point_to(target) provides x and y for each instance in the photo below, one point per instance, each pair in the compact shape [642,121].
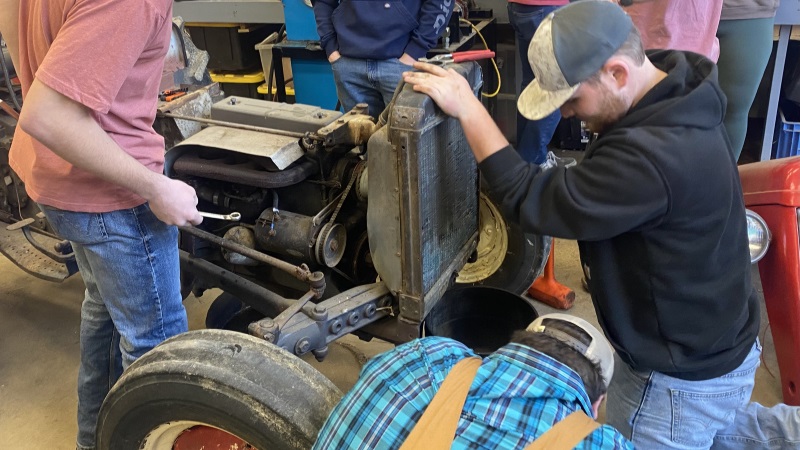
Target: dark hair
[588,370]
[631,48]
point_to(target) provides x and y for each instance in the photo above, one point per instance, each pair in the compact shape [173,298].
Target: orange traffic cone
[549,291]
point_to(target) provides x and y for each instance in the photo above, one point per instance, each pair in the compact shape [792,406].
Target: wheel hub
[190,435]
[492,244]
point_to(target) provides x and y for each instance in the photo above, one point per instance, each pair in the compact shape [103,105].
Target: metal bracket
[320,324]
[353,128]
[29,255]
[64,246]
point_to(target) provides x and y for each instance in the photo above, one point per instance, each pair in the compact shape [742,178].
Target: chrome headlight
[758,236]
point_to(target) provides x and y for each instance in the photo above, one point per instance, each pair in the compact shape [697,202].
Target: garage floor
[39,352]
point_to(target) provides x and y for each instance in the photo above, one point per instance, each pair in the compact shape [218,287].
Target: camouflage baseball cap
[569,46]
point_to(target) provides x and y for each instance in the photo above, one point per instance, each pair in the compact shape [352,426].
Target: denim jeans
[532,135]
[129,263]
[656,411]
[369,81]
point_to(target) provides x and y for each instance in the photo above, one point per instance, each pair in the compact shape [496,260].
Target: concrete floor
[39,352]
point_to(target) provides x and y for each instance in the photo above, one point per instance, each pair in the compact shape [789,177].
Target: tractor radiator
[423,199]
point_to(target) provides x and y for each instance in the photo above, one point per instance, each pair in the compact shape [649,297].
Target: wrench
[234,216]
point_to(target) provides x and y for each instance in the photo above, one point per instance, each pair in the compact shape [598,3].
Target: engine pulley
[330,244]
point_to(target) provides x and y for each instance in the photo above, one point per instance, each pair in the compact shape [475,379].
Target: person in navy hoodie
[370,43]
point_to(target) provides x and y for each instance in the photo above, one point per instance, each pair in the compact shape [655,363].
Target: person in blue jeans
[86,149]
[656,207]
[525,16]
[371,43]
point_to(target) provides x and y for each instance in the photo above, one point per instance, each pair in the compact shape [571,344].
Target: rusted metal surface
[16,248]
[210,275]
[287,233]
[242,236]
[353,128]
[196,103]
[203,437]
[315,279]
[212,90]
[422,215]
[330,244]
[299,236]
[492,245]
[237,126]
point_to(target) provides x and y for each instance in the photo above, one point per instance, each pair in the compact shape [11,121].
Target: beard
[611,108]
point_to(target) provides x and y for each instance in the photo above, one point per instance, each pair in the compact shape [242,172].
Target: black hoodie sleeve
[607,194]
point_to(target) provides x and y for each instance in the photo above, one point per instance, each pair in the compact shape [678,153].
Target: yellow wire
[497,70]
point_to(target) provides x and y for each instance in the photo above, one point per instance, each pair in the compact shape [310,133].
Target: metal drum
[482,318]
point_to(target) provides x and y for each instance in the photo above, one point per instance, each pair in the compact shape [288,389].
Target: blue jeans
[656,411]
[369,81]
[532,135]
[129,263]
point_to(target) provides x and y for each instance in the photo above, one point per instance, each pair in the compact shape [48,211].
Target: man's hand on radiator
[445,86]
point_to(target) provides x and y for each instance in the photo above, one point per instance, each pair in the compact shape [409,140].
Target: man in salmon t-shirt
[87,152]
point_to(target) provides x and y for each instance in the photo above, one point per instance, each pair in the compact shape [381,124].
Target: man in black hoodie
[657,209]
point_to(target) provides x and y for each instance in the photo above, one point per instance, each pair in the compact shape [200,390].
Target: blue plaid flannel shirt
[517,395]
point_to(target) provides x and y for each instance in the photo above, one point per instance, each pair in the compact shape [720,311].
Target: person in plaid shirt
[559,365]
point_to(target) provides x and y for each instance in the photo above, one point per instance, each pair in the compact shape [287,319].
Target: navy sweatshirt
[381,29]
[656,205]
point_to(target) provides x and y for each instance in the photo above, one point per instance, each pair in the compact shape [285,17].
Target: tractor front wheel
[216,387]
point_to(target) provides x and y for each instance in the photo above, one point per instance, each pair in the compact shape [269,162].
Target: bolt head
[303,346]
[267,323]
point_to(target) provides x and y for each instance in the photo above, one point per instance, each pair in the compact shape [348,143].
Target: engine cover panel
[281,151]
[280,116]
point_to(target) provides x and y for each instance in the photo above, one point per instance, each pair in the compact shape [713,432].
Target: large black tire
[223,379]
[508,258]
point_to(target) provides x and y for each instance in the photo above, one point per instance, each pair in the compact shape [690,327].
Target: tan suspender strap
[438,424]
[565,434]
